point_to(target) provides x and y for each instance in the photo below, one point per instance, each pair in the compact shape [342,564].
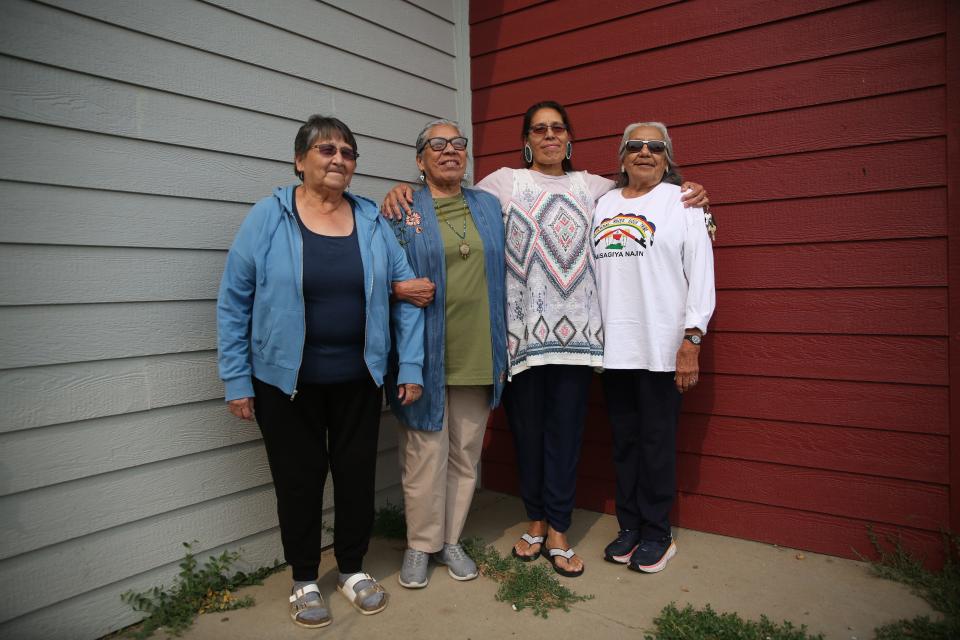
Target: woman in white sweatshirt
[654,267]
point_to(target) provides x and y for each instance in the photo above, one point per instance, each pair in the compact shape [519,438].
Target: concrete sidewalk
[837,597]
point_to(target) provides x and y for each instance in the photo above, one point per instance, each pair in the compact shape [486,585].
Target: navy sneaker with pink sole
[652,556]
[622,548]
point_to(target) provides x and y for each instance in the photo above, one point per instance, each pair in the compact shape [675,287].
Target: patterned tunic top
[553,312]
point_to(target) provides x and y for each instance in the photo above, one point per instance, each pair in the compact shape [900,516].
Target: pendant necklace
[464,245]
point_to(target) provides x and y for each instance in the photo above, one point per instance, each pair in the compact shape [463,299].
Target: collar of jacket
[365,215]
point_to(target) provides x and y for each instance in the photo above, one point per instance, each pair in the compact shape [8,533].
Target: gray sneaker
[459,565]
[413,573]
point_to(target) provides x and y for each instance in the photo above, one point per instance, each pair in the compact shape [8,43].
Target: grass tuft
[920,628]
[941,589]
[389,522]
[196,590]
[693,624]
[524,585]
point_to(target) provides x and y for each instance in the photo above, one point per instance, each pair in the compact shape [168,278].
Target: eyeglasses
[541,129]
[439,144]
[330,150]
[636,146]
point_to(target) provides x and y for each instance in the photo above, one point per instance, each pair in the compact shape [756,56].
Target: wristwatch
[694,338]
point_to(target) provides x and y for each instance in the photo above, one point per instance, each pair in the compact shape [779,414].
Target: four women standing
[509,278]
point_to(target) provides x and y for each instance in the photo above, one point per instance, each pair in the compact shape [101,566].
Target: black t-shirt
[335,307]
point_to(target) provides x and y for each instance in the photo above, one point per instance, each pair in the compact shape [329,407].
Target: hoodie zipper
[369,292]
[303,303]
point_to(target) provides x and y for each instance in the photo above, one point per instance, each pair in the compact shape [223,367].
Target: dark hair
[528,120]
[318,126]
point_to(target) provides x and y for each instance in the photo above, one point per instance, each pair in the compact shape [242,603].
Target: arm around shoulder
[499,184]
[698,268]
[598,185]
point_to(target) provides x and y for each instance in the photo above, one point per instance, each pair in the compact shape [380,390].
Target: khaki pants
[439,469]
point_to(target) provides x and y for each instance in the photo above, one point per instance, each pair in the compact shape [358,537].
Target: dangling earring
[527,154]
[569,149]
[422,177]
[300,175]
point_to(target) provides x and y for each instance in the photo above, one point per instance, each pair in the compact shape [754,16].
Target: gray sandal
[357,598]
[298,605]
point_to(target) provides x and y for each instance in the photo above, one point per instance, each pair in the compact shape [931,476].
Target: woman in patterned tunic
[554,331]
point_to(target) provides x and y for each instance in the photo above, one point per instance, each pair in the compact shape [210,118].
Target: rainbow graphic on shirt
[615,233]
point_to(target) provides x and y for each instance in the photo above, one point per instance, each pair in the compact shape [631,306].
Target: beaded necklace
[464,245]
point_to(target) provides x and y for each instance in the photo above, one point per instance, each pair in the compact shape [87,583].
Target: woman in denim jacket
[454,241]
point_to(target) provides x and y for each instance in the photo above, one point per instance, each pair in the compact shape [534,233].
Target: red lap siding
[820,130]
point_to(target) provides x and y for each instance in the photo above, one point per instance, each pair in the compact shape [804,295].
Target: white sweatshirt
[654,266]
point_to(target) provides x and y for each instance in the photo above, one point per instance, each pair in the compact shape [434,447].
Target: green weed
[941,589]
[196,590]
[523,585]
[389,522]
[693,624]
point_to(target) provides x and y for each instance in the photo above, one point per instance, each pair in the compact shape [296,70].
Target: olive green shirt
[468,359]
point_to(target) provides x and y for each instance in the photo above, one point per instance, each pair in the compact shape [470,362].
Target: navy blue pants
[546,407]
[644,407]
[328,426]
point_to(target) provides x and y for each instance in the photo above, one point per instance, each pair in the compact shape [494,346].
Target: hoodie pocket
[279,344]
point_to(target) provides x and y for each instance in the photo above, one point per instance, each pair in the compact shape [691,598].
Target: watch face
[695,339]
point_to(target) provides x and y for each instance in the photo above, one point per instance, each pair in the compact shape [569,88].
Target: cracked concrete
[837,597]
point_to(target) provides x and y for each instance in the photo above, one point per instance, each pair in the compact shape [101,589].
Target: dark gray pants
[328,426]
[644,407]
[546,407]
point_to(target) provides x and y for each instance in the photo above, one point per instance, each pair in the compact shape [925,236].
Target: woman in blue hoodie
[304,319]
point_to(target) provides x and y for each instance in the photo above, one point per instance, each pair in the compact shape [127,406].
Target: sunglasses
[330,150]
[541,129]
[636,146]
[439,144]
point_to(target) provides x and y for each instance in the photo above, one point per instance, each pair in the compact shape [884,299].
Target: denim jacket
[260,310]
[426,255]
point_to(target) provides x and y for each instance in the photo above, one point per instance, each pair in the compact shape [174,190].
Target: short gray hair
[671,175]
[422,137]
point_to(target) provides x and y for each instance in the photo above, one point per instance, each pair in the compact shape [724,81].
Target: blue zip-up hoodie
[425,251]
[260,310]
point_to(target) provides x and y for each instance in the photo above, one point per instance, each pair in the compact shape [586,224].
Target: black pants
[546,407]
[644,407]
[333,426]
